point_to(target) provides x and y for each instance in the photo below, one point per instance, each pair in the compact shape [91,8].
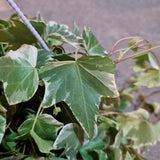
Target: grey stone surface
[110,20]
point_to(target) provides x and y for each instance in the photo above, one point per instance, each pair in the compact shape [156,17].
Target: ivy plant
[58,105]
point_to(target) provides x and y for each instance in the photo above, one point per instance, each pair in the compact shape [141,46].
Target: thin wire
[28,24]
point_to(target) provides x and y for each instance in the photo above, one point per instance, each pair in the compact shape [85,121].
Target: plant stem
[38,112]
[76,52]
[123,39]
[136,54]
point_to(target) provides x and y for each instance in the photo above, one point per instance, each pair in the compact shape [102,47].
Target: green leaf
[64,57]
[133,43]
[140,63]
[150,78]
[44,57]
[21,81]
[128,156]
[137,128]
[2,127]
[116,154]
[18,33]
[57,34]
[76,30]
[9,142]
[91,43]
[80,84]
[95,145]
[44,145]
[68,139]
[44,133]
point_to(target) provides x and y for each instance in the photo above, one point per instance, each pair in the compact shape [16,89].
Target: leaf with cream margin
[68,139]
[80,84]
[57,34]
[136,127]
[19,75]
[150,78]
[91,43]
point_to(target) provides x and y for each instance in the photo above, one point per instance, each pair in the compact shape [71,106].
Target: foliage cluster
[58,105]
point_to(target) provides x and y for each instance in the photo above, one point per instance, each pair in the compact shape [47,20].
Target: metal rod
[28,24]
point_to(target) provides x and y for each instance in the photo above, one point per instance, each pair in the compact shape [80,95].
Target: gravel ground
[110,20]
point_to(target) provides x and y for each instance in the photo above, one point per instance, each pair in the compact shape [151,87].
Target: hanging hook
[28,24]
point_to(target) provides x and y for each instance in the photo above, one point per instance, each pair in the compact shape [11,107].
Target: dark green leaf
[68,139]
[64,57]
[95,145]
[44,133]
[19,75]
[80,84]
[17,33]
[140,63]
[9,142]
[91,43]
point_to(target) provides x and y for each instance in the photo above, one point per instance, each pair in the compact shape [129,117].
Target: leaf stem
[122,39]
[38,112]
[136,54]
[76,52]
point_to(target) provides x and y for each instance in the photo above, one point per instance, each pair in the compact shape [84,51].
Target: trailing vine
[58,105]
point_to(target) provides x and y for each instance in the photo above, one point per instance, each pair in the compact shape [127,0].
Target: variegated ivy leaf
[150,78]
[57,34]
[136,127]
[68,139]
[19,75]
[91,43]
[80,84]
[44,132]
[16,33]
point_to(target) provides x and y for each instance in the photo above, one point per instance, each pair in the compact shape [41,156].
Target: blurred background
[110,20]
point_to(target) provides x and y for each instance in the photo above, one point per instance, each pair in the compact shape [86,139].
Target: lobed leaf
[57,34]
[17,33]
[44,133]
[95,145]
[19,75]
[68,139]
[137,128]
[91,43]
[149,78]
[80,84]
